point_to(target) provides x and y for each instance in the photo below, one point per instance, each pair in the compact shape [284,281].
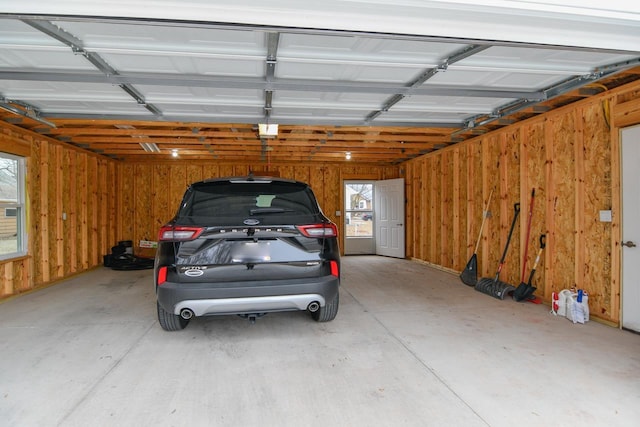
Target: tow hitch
[252,316]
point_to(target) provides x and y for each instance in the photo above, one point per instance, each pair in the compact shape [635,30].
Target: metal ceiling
[110,84]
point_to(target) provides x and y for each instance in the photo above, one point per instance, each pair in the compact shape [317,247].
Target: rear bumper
[207,307]
[206,299]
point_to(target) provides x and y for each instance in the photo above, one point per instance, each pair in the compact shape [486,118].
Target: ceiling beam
[307,85]
[236,119]
[76,46]
[24,110]
[273,39]
[412,87]
[354,140]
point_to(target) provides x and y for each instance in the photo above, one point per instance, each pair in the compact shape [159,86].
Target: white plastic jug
[578,307]
[564,299]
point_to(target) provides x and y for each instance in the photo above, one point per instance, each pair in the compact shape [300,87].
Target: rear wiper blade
[269,210]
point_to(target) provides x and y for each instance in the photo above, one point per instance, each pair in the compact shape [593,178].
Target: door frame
[340,214]
[349,177]
[358,245]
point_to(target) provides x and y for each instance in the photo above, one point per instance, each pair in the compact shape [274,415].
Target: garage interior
[117,108]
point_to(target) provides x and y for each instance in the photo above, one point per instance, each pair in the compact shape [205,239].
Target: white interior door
[389,217]
[631,228]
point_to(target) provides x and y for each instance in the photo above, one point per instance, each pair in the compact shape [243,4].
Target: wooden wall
[149,192]
[105,201]
[61,180]
[571,158]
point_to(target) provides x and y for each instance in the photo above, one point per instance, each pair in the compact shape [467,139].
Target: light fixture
[150,147]
[347,155]
[174,152]
[267,130]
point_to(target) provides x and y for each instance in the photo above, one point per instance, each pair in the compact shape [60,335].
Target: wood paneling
[149,193]
[62,182]
[596,271]
[569,157]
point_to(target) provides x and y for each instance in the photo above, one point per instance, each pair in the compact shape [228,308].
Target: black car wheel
[328,312]
[169,321]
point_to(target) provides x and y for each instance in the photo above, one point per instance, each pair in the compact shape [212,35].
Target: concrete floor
[411,346]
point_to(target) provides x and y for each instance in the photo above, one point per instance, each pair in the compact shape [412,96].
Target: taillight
[319,230]
[179,233]
[334,268]
[162,275]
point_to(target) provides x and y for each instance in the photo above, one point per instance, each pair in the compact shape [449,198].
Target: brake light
[162,275]
[179,233]
[334,268]
[319,230]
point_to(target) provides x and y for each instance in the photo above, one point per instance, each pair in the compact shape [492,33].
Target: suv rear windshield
[244,199]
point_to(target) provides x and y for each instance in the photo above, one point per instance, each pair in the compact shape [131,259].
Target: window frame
[20,206]
[352,213]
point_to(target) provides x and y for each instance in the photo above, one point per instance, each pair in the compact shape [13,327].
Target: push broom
[469,275]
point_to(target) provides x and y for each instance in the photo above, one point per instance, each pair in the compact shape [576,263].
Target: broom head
[469,275]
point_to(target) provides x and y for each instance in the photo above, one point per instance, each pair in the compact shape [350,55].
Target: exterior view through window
[12,236]
[359,209]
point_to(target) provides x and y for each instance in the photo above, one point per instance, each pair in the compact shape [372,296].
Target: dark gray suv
[247,246]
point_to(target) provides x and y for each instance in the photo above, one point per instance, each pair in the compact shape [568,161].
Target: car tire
[328,312]
[169,321]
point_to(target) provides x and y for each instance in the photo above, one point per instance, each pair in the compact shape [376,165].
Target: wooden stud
[579,202]
[426,217]
[616,224]
[83,210]
[69,209]
[456,192]
[44,211]
[544,285]
[92,211]
[59,263]
[445,256]
[436,211]
[409,212]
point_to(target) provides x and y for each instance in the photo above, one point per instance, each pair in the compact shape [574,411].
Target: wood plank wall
[571,157]
[60,180]
[149,192]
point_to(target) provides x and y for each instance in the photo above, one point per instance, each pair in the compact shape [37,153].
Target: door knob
[629,244]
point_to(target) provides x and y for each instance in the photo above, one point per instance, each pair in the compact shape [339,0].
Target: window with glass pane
[12,218]
[359,209]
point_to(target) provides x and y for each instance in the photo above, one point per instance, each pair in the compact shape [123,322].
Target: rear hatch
[238,231]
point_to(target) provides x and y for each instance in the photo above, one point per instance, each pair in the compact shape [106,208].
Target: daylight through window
[359,209]
[12,231]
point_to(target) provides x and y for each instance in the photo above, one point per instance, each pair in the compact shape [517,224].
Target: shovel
[524,291]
